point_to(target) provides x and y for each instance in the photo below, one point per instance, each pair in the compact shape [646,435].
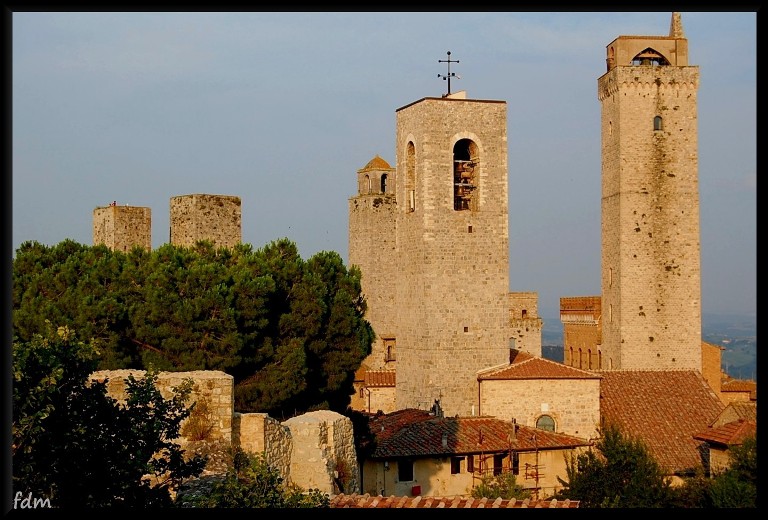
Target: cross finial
[450,74]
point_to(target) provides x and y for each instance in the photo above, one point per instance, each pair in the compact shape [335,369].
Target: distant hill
[737,334]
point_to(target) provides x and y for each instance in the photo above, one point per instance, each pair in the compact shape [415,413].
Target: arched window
[658,123]
[579,358]
[384,183]
[465,175]
[545,422]
[589,358]
[410,176]
[367,184]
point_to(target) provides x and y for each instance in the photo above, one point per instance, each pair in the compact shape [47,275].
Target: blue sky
[282,109]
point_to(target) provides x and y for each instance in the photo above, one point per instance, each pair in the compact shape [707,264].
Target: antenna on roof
[450,74]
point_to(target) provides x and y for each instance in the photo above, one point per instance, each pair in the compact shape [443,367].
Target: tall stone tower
[452,241]
[122,227]
[651,276]
[196,217]
[372,218]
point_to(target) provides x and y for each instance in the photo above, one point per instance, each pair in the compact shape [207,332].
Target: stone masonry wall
[651,276]
[314,450]
[196,217]
[259,433]
[574,404]
[525,322]
[711,365]
[212,390]
[323,455]
[121,228]
[372,249]
[453,266]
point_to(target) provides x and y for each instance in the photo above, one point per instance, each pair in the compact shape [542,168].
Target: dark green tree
[78,447]
[618,472]
[291,333]
[736,487]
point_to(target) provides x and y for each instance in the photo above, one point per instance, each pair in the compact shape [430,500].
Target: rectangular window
[515,463]
[470,463]
[456,465]
[498,464]
[405,470]
[389,350]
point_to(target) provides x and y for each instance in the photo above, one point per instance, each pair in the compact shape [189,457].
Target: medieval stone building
[434,254]
[196,217]
[649,316]
[121,228]
[434,251]
[216,218]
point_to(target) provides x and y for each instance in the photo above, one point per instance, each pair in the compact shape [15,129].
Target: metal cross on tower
[450,74]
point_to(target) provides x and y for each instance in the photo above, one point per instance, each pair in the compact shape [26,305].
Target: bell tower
[651,274]
[452,242]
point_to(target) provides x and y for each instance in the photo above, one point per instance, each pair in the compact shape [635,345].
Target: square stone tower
[372,220]
[122,227]
[216,218]
[452,286]
[651,275]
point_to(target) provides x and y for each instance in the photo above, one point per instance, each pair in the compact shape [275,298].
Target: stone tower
[122,227]
[372,214]
[451,292]
[651,276]
[216,218]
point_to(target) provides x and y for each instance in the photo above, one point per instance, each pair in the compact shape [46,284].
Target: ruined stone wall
[314,450]
[323,455]
[451,291]
[196,217]
[651,276]
[574,404]
[212,392]
[259,433]
[121,228]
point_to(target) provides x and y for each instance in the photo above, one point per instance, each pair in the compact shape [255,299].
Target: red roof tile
[526,366]
[380,378]
[729,434]
[377,163]
[664,409]
[382,502]
[740,410]
[418,433]
[738,385]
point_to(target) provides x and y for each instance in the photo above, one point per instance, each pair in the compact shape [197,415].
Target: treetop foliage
[291,332]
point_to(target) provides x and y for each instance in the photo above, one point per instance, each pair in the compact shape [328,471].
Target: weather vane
[450,74]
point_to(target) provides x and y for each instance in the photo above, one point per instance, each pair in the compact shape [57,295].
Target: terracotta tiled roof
[526,366]
[377,163]
[738,385]
[380,378]
[418,433]
[729,434]
[741,410]
[664,409]
[382,502]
